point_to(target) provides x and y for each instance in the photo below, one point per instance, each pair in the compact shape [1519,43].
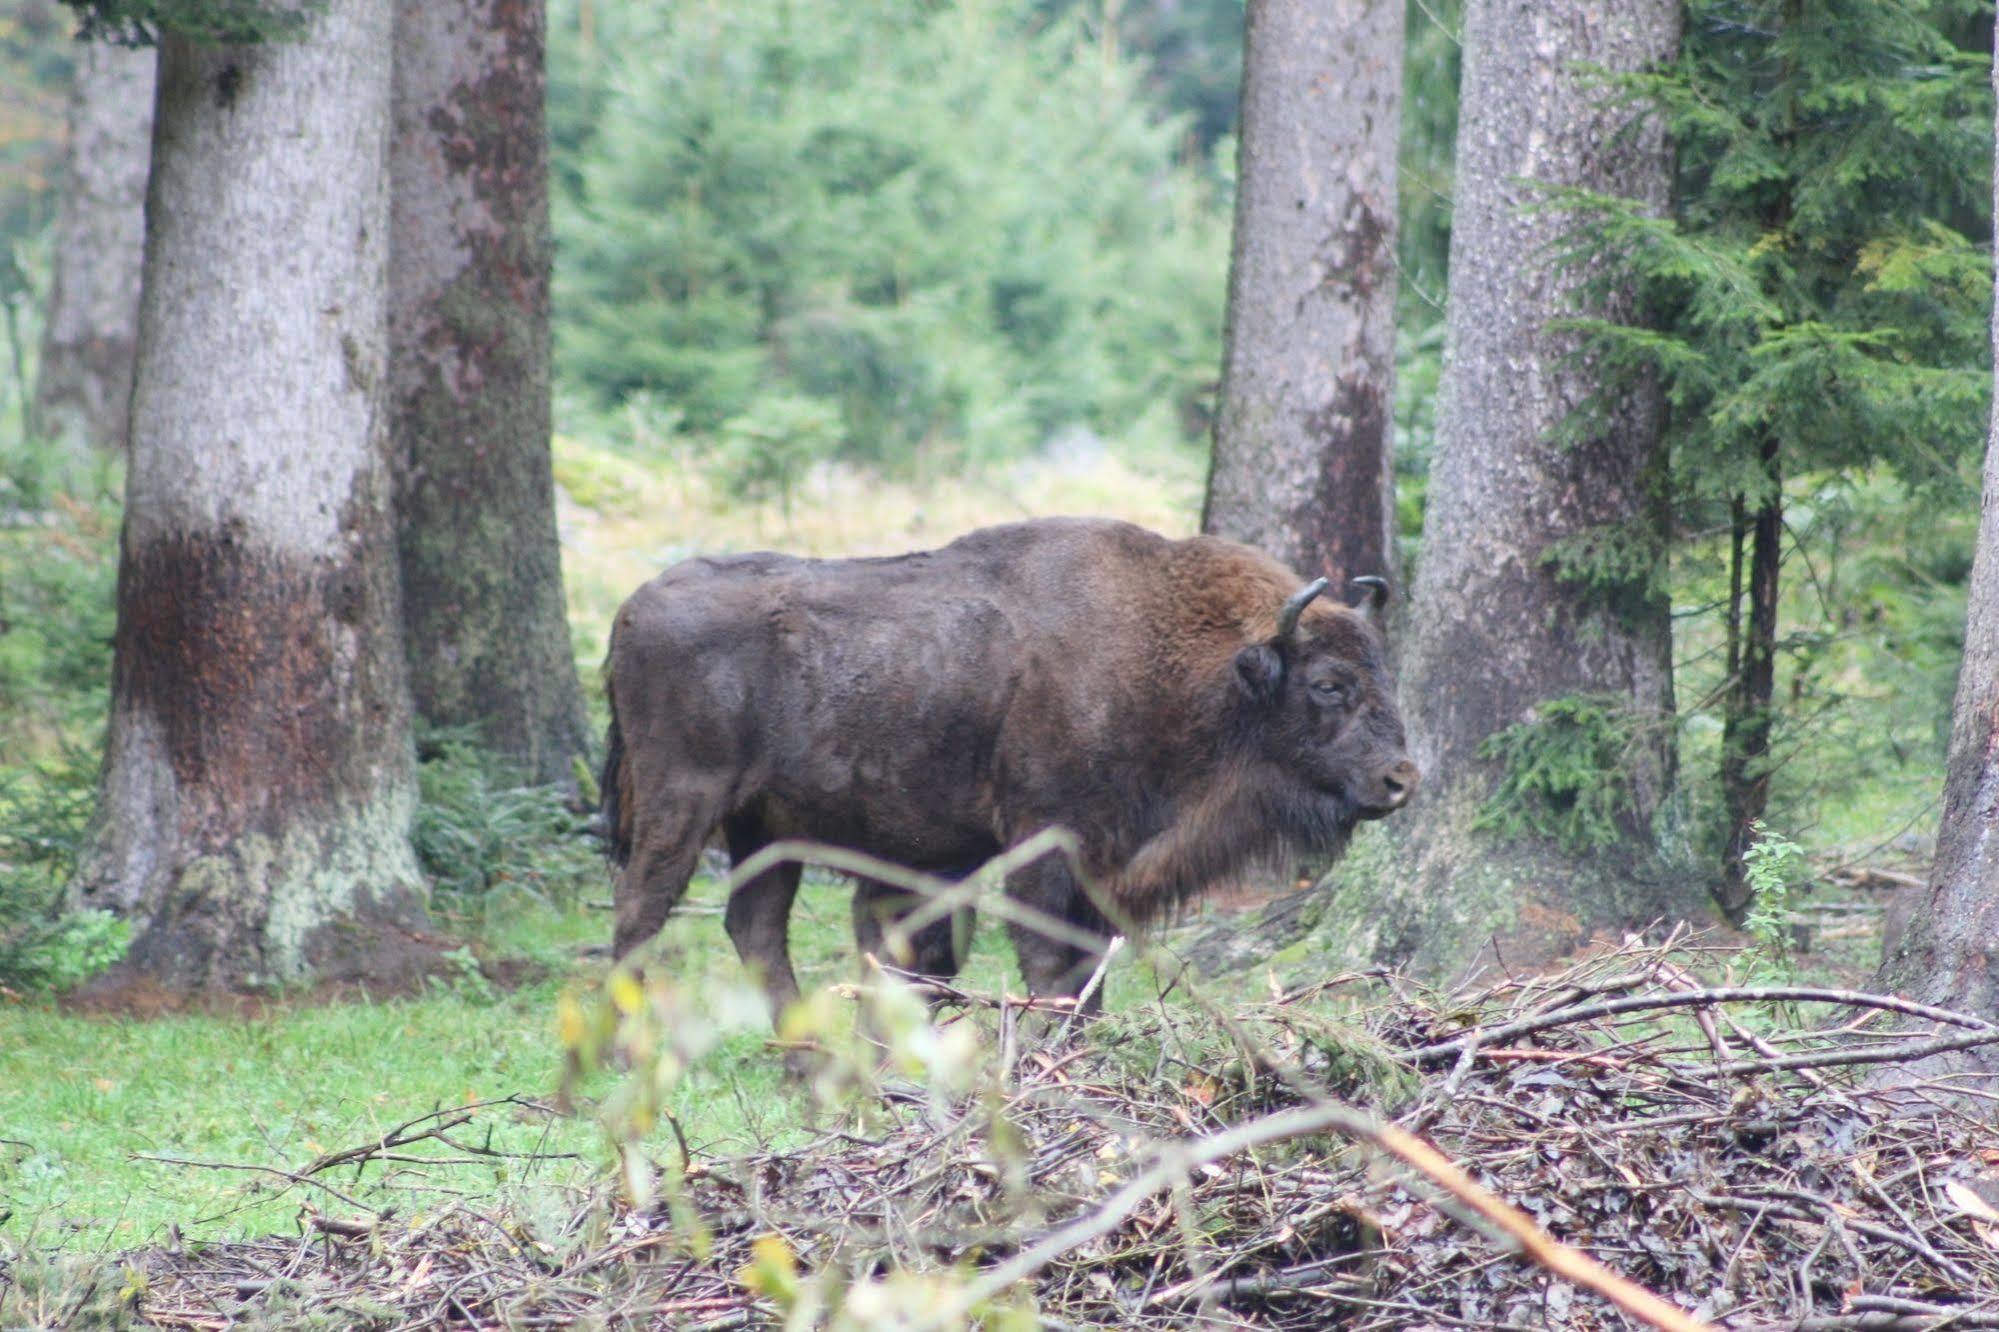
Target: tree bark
[1499,627]
[485,627]
[83,390]
[1948,954]
[254,808]
[1303,449]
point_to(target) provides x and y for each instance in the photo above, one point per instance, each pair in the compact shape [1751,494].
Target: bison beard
[1182,707]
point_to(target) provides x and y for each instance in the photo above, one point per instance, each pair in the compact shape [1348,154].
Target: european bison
[1184,707]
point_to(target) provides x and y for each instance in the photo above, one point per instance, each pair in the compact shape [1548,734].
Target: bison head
[1321,709]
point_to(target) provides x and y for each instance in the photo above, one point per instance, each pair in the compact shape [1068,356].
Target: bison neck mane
[1233,809]
[1245,815]
[1240,815]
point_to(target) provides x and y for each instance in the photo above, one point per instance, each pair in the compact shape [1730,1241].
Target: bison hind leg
[665,851]
[758,916]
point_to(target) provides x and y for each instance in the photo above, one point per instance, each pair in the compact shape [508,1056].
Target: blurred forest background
[854,276]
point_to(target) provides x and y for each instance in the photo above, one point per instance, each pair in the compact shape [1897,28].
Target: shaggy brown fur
[934,709]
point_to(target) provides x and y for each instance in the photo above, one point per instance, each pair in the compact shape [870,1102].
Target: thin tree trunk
[1746,726]
[1303,448]
[1949,952]
[254,809]
[83,390]
[485,627]
[1497,627]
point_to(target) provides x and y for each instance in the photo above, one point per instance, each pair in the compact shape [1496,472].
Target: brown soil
[402,964]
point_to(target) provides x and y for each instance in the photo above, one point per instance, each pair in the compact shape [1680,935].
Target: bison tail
[615,794]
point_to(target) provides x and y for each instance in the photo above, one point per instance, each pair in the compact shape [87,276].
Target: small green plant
[481,830]
[65,952]
[466,978]
[1621,565]
[764,453]
[1775,867]
[1565,773]
[44,818]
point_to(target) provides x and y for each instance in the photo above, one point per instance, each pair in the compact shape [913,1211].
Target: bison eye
[1329,692]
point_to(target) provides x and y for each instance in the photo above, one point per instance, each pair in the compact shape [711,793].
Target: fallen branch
[1756,994]
[1178,1161]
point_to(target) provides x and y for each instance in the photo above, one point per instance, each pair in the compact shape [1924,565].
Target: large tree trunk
[486,632]
[1503,619]
[255,805]
[83,390]
[1948,954]
[1302,462]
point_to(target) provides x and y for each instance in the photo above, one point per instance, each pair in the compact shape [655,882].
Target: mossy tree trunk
[83,389]
[485,628]
[1948,954]
[1303,450]
[1540,576]
[257,791]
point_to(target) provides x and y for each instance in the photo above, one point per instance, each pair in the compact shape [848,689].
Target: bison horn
[1287,619]
[1376,590]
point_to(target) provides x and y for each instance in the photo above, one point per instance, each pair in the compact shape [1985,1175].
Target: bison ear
[1260,671]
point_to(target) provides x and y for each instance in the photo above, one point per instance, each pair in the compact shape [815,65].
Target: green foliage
[956,231]
[36,56]
[1622,565]
[1564,773]
[1774,867]
[1821,288]
[1432,57]
[1824,279]
[481,830]
[44,819]
[765,452]
[65,952]
[58,580]
[223,22]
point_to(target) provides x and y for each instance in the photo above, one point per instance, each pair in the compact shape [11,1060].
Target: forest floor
[90,1099]
[166,1131]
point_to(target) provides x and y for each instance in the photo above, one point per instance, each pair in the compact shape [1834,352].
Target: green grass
[82,1097]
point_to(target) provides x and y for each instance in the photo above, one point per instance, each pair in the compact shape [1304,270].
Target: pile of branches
[1619,1145]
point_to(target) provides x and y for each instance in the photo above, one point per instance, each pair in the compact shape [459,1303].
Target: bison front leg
[934,952]
[1052,965]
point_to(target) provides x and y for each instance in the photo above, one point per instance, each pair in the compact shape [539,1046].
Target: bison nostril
[1399,782]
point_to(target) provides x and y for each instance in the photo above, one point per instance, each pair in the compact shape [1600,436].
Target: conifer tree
[1814,306]
[1945,955]
[485,630]
[1510,649]
[83,391]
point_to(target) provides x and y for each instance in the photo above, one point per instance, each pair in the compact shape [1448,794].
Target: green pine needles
[218,22]
[1824,279]
[959,230]
[1565,773]
[1814,311]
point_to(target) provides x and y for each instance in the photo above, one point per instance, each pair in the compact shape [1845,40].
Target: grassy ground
[84,1099]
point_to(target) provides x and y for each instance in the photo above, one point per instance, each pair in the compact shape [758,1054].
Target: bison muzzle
[1184,708]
